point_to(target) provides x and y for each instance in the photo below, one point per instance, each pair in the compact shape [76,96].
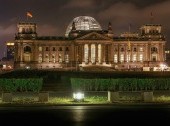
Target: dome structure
[83,23]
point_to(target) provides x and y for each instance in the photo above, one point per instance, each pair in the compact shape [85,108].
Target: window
[60,49]
[54,49]
[47,49]
[128,58]
[53,58]
[141,57]
[135,49]
[40,49]
[27,49]
[66,58]
[67,49]
[115,58]
[141,49]
[122,49]
[134,58]
[40,58]
[154,49]
[121,58]
[153,58]
[47,58]
[60,58]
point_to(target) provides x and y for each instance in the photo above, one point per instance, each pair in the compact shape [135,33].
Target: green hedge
[120,84]
[13,85]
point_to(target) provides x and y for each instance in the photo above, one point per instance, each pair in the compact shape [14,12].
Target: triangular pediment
[93,36]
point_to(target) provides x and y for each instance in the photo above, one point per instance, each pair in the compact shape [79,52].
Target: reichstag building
[87,45]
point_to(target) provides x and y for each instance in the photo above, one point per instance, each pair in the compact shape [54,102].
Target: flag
[29,15]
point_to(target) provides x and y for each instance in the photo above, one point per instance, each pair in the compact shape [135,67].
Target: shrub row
[13,85]
[120,84]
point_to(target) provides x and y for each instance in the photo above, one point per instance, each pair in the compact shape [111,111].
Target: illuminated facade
[86,44]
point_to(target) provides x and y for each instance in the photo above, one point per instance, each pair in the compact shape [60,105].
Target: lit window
[115,58]
[47,58]
[141,57]
[40,58]
[60,58]
[121,58]
[134,58]
[67,58]
[40,49]
[128,58]
[141,49]
[53,58]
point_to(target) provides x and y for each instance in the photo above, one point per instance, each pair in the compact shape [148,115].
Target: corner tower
[26,30]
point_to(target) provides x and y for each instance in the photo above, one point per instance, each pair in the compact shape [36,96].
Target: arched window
[154,49]
[27,49]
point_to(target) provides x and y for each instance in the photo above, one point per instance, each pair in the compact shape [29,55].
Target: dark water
[85,115]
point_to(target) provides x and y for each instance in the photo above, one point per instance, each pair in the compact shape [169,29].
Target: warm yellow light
[10,44]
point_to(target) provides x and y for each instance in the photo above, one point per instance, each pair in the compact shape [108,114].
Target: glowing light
[78,96]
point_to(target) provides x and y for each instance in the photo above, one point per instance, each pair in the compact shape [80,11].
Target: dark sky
[53,16]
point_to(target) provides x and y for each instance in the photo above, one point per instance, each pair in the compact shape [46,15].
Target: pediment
[93,36]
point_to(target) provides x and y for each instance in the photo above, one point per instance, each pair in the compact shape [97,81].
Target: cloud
[78,4]
[47,30]
[121,14]
[9,30]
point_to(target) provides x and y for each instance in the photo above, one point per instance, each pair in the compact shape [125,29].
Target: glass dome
[83,23]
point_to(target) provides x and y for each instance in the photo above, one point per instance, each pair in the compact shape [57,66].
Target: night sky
[53,16]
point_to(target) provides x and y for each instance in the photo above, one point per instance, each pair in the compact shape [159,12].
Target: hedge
[120,84]
[13,85]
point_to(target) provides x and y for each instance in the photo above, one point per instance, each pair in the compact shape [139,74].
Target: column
[21,52]
[96,53]
[89,53]
[83,61]
[111,53]
[149,52]
[103,54]
[126,50]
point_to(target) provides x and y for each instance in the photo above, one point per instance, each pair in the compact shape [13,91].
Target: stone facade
[83,48]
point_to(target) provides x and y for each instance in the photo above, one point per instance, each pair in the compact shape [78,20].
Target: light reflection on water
[78,114]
